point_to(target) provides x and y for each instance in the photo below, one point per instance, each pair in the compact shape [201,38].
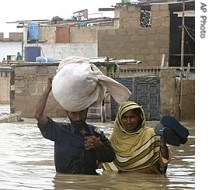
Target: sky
[13,10]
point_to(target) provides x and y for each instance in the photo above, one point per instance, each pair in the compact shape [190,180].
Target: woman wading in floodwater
[137,147]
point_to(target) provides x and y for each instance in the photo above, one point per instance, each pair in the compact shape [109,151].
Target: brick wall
[30,81]
[187,99]
[5,87]
[131,41]
[169,98]
[13,36]
[125,40]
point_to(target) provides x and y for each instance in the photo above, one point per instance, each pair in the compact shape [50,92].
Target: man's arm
[101,144]
[104,151]
[40,107]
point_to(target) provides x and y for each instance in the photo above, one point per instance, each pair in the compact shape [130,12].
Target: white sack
[79,84]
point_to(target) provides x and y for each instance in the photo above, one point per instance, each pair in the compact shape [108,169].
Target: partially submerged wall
[187,99]
[5,85]
[30,81]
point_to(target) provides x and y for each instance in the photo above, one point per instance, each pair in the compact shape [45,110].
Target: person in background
[78,147]
[137,147]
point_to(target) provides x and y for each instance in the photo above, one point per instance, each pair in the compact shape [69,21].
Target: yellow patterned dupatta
[134,151]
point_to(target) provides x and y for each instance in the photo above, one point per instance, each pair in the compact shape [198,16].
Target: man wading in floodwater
[78,147]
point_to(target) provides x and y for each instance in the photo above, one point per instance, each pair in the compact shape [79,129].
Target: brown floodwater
[26,162]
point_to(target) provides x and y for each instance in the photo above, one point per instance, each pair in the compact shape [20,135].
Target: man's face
[78,118]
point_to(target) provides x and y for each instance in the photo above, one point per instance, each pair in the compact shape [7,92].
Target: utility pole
[182,36]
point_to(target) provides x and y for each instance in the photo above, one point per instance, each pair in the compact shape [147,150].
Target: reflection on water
[27,163]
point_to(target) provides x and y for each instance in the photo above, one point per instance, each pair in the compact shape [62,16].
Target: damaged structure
[141,47]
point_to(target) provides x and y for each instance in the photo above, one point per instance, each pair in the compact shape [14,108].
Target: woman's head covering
[134,150]
[126,142]
[127,106]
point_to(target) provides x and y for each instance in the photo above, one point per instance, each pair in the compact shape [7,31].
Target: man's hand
[92,142]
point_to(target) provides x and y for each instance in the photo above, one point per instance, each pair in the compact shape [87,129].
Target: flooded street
[27,163]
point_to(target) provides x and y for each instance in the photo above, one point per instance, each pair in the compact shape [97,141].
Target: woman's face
[130,121]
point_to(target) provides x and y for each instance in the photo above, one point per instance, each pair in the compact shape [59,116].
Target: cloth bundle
[78,84]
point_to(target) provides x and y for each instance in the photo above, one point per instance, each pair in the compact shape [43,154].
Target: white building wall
[10,48]
[60,51]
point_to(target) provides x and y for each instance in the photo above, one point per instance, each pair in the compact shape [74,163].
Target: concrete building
[11,47]
[149,32]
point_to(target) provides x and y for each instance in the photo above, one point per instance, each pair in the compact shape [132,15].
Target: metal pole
[182,37]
